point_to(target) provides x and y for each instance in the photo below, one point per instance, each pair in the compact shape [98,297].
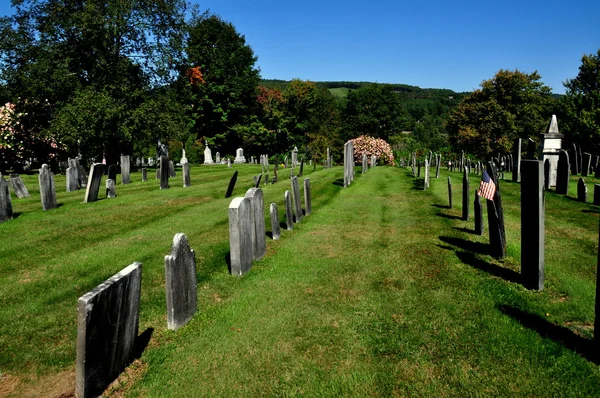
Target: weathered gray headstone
[228,163]
[465,195]
[125,169]
[107,326]
[289,217]
[186,173]
[172,172]
[275,228]
[438,161]
[478,215]
[110,189]
[562,173]
[72,179]
[532,224]
[112,172]
[47,188]
[164,172]
[180,283]
[307,197]
[241,226]
[364,163]
[295,157]
[82,175]
[581,190]
[297,200]
[144,174]
[426,176]
[6,211]
[259,245]
[18,186]
[232,182]
[93,184]
[449,193]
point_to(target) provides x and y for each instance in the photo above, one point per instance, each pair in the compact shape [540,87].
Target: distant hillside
[340,91]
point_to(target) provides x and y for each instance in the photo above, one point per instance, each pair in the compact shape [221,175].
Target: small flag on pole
[487,188]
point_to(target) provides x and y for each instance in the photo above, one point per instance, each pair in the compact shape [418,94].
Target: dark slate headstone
[257,180]
[449,193]
[125,169]
[581,190]
[186,174]
[562,173]
[107,326]
[165,165]
[532,224]
[6,211]
[47,188]
[531,148]
[180,283]
[172,172]
[93,184]
[547,174]
[597,194]
[301,168]
[18,186]
[297,200]
[259,245]
[465,195]
[241,226]
[275,228]
[496,217]
[110,188]
[586,163]
[575,161]
[112,172]
[232,182]
[307,197]
[289,216]
[478,215]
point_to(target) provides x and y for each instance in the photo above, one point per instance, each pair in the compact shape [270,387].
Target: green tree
[511,105]
[581,104]
[227,100]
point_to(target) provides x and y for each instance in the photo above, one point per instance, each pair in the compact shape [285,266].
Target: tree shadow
[492,269]
[580,345]
[473,247]
[141,342]
[448,216]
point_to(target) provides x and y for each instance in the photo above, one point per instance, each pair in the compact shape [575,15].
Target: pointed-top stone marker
[553,129]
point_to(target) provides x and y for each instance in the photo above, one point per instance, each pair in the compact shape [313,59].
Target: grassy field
[340,91]
[381,291]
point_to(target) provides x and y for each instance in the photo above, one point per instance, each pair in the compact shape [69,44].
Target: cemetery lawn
[381,291]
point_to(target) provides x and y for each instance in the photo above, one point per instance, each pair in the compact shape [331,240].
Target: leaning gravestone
[275,228]
[289,216]
[231,184]
[72,179]
[180,283]
[562,173]
[532,224]
[125,169]
[6,212]
[107,326]
[47,188]
[581,190]
[296,195]
[259,245]
[307,197]
[240,235]
[164,172]
[110,188]
[93,184]
[18,186]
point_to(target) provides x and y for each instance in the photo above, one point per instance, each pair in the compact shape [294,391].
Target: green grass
[383,290]
[340,91]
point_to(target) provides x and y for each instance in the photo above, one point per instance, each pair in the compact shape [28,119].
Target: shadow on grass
[592,211]
[465,230]
[492,269]
[441,206]
[578,344]
[339,182]
[418,184]
[467,245]
[444,215]
[141,342]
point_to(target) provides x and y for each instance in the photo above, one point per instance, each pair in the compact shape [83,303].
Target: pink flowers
[372,146]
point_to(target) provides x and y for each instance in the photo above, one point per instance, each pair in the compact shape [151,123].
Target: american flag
[487,188]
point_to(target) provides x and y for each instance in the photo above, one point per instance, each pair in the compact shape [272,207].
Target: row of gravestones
[105,348]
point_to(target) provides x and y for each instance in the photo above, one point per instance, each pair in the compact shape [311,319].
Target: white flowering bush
[372,146]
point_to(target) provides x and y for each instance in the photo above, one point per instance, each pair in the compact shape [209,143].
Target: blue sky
[441,44]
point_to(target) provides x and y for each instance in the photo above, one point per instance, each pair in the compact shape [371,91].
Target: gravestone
[239,156]
[164,172]
[575,160]
[257,179]
[125,169]
[478,215]
[597,194]
[151,162]
[581,190]
[275,173]
[532,224]
[465,194]
[110,188]
[364,163]
[496,217]
[144,174]
[328,158]
[419,169]
[218,158]
[83,177]
[586,163]
[172,172]
[275,228]
[289,217]
[285,162]
[562,173]
[307,197]
[516,160]
[547,174]
[208,155]
[241,225]
[180,283]
[295,157]
[579,159]
[449,193]
[438,161]
[228,163]
[93,184]
[158,171]
[296,196]
[18,186]
[112,172]
[47,188]
[232,182]
[107,327]
[72,179]
[259,245]
[186,172]
[301,168]
[6,211]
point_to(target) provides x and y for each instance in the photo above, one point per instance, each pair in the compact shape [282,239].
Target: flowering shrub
[372,146]
[11,141]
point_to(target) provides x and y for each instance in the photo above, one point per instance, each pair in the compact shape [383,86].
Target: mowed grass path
[381,291]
